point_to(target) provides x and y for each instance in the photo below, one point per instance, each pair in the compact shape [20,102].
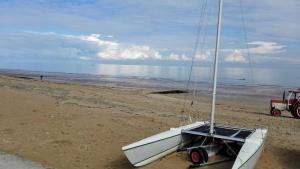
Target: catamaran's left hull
[152,148]
[143,154]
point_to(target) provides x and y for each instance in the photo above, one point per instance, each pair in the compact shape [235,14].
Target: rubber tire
[276,113]
[202,154]
[294,111]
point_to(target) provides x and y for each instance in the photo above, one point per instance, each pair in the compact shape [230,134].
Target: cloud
[204,56]
[84,58]
[263,47]
[48,46]
[236,57]
[177,57]
[160,24]
[111,50]
[256,49]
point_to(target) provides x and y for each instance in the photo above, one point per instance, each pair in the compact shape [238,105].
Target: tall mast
[213,102]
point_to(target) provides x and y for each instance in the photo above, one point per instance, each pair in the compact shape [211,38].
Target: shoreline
[9,161]
[225,90]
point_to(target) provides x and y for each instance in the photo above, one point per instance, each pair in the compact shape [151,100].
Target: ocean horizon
[226,75]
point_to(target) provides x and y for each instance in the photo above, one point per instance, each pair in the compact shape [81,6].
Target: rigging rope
[252,81]
[199,30]
[246,40]
[202,46]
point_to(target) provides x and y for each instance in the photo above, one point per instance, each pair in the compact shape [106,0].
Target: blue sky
[148,32]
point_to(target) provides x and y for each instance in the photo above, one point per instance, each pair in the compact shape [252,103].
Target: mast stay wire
[201,52]
[199,30]
[202,46]
[246,41]
[252,81]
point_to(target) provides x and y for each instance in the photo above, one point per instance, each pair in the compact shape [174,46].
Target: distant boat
[203,139]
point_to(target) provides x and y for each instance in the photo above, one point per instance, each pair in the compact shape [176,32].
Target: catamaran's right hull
[251,150]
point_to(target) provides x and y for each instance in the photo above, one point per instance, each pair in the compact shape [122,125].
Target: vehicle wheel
[296,111]
[198,156]
[276,113]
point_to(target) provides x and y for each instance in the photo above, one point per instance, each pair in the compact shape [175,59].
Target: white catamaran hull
[152,148]
[251,150]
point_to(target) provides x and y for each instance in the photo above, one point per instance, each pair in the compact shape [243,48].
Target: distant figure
[41,77]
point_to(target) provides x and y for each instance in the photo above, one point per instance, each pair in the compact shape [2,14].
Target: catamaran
[203,139]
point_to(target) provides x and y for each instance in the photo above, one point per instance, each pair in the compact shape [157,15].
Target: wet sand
[83,126]
[8,161]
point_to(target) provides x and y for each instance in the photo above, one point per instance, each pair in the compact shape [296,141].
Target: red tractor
[290,103]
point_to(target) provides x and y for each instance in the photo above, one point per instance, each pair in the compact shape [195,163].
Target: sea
[288,77]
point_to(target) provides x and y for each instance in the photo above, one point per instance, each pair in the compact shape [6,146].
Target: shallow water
[8,161]
[244,91]
[230,75]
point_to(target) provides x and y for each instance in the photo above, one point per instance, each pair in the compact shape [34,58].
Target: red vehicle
[290,103]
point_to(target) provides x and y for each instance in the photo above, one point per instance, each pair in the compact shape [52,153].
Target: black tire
[205,155]
[296,111]
[198,156]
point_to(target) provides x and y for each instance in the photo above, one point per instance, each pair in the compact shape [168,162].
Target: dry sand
[75,126]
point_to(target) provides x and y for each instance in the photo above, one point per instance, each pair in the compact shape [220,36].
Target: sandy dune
[75,126]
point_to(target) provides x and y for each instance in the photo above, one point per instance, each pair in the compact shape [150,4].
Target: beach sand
[76,126]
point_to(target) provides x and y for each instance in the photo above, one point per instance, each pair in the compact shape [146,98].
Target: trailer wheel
[276,113]
[296,111]
[198,156]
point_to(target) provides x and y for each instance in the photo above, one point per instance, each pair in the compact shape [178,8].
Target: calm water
[261,76]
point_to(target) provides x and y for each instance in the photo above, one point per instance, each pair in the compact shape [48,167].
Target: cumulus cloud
[118,52]
[85,58]
[236,57]
[45,45]
[111,50]
[177,57]
[263,47]
[203,56]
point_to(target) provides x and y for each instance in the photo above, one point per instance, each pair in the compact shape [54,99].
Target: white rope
[204,4]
